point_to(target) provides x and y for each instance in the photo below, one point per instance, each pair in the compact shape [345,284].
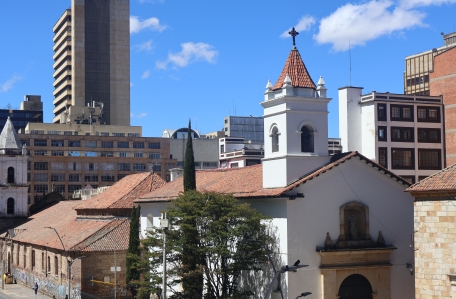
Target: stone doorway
[355,286]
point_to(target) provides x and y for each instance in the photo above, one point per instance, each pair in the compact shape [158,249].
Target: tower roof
[8,137]
[297,71]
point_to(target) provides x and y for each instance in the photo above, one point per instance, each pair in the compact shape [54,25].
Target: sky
[207,59]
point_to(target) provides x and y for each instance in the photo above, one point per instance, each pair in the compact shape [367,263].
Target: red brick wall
[443,82]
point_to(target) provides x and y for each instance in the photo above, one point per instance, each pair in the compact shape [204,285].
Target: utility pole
[115,269]
[164,224]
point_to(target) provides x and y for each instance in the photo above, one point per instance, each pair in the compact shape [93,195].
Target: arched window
[56,265]
[49,264]
[43,268]
[10,175]
[355,286]
[307,140]
[10,206]
[275,139]
[33,259]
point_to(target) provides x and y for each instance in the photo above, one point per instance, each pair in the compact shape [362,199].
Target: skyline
[230,53]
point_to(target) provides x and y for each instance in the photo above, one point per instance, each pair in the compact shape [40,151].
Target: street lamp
[284,269]
[304,295]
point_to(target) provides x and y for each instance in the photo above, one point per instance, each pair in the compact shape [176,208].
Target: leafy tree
[134,250]
[189,163]
[221,255]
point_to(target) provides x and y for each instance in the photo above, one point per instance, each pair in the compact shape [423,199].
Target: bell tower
[295,124]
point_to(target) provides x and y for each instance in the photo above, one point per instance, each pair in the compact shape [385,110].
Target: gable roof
[442,182]
[8,137]
[297,71]
[247,182]
[102,234]
[122,193]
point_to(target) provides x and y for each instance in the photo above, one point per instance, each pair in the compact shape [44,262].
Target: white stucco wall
[369,131]
[19,194]
[350,126]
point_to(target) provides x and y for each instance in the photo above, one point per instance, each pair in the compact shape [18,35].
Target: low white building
[403,133]
[13,174]
[344,215]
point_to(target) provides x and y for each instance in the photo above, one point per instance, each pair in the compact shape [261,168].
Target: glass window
[39,142]
[138,144]
[122,144]
[402,134]
[74,166]
[382,133]
[429,159]
[107,154]
[72,188]
[381,112]
[107,144]
[74,177]
[307,141]
[74,153]
[90,143]
[74,143]
[428,114]
[154,145]
[107,178]
[90,154]
[123,154]
[430,135]
[402,158]
[138,155]
[154,155]
[139,167]
[57,177]
[401,112]
[40,165]
[57,153]
[58,143]
[157,167]
[123,167]
[40,177]
[40,153]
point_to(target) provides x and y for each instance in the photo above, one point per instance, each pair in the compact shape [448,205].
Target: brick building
[92,234]
[435,235]
[443,83]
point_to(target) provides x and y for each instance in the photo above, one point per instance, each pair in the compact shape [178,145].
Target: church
[345,216]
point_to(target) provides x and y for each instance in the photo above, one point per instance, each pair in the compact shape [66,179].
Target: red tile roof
[122,193]
[247,182]
[297,71]
[442,182]
[76,234]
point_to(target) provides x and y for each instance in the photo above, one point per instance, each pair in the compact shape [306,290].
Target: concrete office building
[403,133]
[31,110]
[249,127]
[92,62]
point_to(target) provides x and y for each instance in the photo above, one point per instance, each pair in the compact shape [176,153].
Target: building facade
[403,133]
[251,128]
[31,110]
[92,61]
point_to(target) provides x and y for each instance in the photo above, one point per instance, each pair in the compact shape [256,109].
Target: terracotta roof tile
[443,181]
[122,193]
[297,71]
[247,182]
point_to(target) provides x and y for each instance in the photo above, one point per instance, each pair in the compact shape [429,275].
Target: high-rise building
[92,62]
[31,110]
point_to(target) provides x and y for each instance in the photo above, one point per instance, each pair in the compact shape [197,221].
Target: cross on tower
[293,33]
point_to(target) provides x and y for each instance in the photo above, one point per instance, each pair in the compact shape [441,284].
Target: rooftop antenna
[349,54]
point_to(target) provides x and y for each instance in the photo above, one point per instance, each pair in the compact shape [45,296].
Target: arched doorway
[355,287]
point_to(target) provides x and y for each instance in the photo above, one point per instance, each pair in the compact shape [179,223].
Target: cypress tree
[133,253]
[189,163]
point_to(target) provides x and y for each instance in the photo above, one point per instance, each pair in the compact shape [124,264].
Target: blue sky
[207,59]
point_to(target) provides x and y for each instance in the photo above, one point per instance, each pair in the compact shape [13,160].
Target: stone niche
[354,226]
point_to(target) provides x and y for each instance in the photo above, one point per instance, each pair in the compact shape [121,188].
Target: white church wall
[311,217]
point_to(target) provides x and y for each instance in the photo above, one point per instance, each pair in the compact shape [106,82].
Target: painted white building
[13,174]
[403,133]
[345,216]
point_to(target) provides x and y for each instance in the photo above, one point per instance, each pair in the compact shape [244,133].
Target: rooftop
[440,183]
[297,71]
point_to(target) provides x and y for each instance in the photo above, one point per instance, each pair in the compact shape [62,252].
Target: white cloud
[131,84]
[137,25]
[191,52]
[9,83]
[140,115]
[145,75]
[418,3]
[146,46]
[364,22]
[304,24]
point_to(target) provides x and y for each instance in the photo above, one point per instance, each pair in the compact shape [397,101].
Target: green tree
[221,255]
[189,163]
[134,250]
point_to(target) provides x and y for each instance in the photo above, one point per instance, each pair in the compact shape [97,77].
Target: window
[138,144]
[40,177]
[49,264]
[74,177]
[74,153]
[123,154]
[401,113]
[133,135]
[10,207]
[429,135]
[234,165]
[33,259]
[121,176]
[40,153]
[107,154]
[428,114]
[122,144]
[57,166]
[138,155]
[381,112]
[90,143]
[429,159]
[382,136]
[107,166]
[59,188]
[91,166]
[58,143]
[42,261]
[72,188]
[402,158]
[74,166]
[252,162]
[57,153]
[40,142]
[275,139]
[154,145]
[307,140]
[90,154]
[157,167]
[56,265]
[139,167]
[409,178]
[28,177]
[10,179]
[154,155]
[209,164]
[57,177]
[26,142]
[91,178]
[107,178]
[67,132]
[123,167]
[402,134]
[222,148]
[40,165]
[118,134]
[40,188]
[383,157]
[107,144]
[76,143]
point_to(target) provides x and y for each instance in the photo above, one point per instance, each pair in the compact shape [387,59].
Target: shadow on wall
[258,281]
[48,200]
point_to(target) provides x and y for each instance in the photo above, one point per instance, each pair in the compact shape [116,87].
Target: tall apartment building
[403,133]
[31,110]
[92,62]
[418,67]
